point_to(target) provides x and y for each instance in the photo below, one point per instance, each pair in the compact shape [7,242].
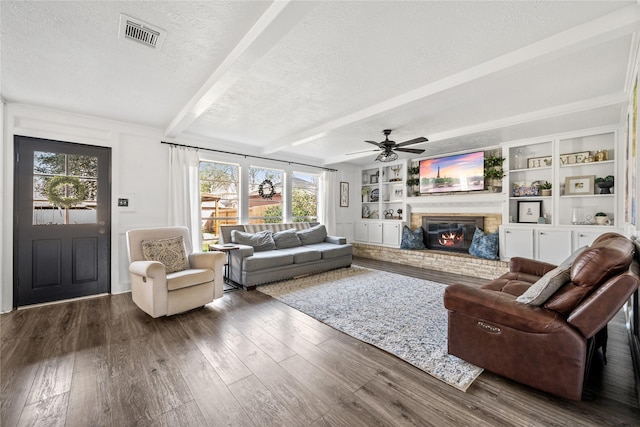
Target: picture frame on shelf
[397,192]
[521,189]
[529,211]
[373,179]
[574,158]
[579,185]
[344,194]
[539,162]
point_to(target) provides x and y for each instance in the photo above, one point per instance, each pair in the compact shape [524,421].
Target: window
[304,197]
[64,188]
[219,201]
[265,195]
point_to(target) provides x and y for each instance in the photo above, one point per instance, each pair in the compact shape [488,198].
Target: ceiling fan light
[387,156]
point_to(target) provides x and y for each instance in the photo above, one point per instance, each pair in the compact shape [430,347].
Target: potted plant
[605,184]
[545,188]
[493,173]
[365,193]
[602,219]
[414,181]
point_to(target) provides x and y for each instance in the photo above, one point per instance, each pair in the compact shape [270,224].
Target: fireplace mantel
[467,203]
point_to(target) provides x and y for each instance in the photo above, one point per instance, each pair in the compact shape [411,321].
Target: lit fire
[450,239]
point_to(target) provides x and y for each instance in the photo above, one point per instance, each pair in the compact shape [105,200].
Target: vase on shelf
[519,160]
[604,186]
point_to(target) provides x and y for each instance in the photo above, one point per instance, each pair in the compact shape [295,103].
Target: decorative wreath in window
[266,189]
[57,198]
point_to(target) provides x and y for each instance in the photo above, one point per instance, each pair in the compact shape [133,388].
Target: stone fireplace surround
[453,262]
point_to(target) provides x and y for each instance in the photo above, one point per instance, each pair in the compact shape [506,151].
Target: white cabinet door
[516,242]
[554,246]
[375,232]
[584,238]
[362,231]
[391,234]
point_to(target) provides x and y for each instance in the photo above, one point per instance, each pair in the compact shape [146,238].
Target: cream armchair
[187,280]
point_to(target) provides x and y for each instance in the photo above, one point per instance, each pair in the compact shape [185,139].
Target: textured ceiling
[313,80]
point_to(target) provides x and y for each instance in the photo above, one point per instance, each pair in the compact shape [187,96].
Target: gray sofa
[272,252]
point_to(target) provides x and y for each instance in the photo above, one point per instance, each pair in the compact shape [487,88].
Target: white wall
[139,169]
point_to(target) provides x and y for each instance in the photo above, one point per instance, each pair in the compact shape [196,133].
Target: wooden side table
[227,268]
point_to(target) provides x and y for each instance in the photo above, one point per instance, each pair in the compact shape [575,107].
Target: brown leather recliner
[548,347]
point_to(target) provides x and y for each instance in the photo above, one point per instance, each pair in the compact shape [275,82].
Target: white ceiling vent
[134,29]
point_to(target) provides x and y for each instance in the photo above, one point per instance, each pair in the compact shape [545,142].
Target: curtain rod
[249,155]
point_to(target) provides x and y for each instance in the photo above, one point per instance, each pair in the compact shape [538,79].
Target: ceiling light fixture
[387,156]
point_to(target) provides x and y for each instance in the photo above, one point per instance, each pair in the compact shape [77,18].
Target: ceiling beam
[276,22]
[620,98]
[615,24]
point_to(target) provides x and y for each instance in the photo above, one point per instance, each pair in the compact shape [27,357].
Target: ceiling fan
[389,147]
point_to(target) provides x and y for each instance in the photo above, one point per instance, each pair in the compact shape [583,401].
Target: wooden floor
[249,360]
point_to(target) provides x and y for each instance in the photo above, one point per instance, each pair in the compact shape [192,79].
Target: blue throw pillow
[412,239]
[484,245]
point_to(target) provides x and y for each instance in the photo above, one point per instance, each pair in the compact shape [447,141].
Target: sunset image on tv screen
[461,172]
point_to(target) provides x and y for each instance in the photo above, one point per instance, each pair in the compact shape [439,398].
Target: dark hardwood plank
[89,402]
[305,406]
[217,404]
[49,412]
[262,407]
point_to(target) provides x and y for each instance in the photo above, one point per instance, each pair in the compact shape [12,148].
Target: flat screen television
[459,172]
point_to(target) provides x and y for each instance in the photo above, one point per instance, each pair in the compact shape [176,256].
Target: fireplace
[450,233]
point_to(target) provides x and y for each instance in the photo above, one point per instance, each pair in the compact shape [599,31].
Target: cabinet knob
[542,234]
[582,235]
[507,232]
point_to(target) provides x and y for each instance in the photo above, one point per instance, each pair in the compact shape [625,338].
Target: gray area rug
[402,315]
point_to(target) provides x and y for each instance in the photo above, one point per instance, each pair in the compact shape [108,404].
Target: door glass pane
[48,163]
[86,166]
[64,189]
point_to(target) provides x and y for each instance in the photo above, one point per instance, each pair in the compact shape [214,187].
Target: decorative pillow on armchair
[484,245]
[412,239]
[170,252]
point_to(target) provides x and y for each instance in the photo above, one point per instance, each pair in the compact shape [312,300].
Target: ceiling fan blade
[410,150]
[358,152]
[374,143]
[412,141]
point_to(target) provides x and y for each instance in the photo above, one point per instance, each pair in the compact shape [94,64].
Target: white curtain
[327,201]
[184,193]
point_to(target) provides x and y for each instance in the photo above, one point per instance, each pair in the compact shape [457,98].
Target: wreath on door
[57,197]
[270,190]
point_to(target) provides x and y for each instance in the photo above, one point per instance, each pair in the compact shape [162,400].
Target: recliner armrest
[529,266]
[602,305]
[153,269]
[206,259]
[501,308]
[336,240]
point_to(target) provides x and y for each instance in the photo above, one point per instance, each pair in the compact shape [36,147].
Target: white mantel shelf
[494,200]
